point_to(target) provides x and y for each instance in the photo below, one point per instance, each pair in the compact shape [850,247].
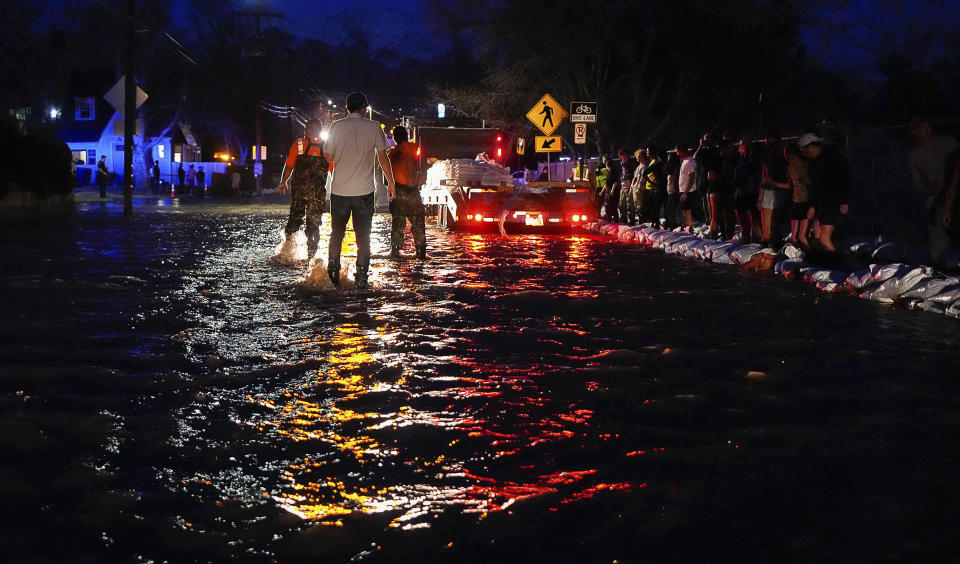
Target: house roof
[71,130]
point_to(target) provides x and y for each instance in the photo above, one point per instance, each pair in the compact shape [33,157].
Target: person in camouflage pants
[406,204]
[306,172]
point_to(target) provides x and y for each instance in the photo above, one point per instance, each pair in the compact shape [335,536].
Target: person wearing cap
[829,188]
[407,204]
[306,170]
[928,170]
[354,146]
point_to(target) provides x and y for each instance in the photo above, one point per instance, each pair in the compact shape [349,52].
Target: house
[92,128]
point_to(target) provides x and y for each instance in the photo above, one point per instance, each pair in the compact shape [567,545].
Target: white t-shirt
[352,145]
[688,175]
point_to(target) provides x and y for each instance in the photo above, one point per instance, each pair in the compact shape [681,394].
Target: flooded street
[169,393]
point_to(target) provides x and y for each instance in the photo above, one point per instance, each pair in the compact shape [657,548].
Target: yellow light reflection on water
[339,407]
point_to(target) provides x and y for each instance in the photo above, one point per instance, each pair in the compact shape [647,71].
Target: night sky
[844,34]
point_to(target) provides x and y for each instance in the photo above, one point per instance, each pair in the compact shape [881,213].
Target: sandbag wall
[918,287]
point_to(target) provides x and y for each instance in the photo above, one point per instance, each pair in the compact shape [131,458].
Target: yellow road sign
[548,144]
[521,147]
[547,114]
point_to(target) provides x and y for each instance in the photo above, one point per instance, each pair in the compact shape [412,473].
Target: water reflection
[567,396]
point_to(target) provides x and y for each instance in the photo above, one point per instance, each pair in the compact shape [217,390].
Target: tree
[660,70]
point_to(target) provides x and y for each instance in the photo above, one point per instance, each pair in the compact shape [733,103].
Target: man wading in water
[407,203]
[308,167]
[354,146]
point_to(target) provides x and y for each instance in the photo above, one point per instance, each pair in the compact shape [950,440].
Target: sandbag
[743,254]
[896,285]
[931,287]
[789,268]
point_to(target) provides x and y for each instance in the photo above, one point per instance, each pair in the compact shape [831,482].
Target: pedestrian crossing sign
[547,114]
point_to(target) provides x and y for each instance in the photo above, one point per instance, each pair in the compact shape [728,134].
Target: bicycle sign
[583,112]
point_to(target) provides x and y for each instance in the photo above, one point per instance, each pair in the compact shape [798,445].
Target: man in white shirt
[354,146]
[687,185]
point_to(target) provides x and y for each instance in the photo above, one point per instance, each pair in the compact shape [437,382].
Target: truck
[482,198]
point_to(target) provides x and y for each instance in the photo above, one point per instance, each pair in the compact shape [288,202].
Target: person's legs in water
[363,208]
[314,213]
[396,234]
[419,230]
[398,224]
[339,216]
[298,207]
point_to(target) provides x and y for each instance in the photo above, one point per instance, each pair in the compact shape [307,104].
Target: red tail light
[478,217]
[499,152]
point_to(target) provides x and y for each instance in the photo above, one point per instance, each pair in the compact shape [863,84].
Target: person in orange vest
[305,171]
[404,158]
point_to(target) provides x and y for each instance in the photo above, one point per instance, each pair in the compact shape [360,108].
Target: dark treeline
[665,70]
[662,71]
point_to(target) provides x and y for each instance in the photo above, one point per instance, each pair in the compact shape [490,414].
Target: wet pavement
[169,392]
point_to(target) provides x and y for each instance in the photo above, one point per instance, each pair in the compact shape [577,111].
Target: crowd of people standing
[777,190]
[766,189]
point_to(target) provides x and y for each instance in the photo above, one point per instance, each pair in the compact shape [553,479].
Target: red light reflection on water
[502,431]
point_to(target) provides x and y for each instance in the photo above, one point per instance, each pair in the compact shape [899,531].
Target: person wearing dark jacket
[103,176]
[655,178]
[829,188]
[611,191]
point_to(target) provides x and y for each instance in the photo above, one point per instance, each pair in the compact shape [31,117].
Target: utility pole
[258,14]
[129,110]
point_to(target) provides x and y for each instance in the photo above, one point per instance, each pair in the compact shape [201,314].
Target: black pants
[408,205]
[748,216]
[307,202]
[670,211]
[652,202]
[341,208]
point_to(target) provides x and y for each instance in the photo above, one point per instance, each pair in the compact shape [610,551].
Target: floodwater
[169,393]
